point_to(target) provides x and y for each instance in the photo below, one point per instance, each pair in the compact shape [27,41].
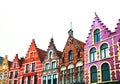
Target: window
[93,71]
[29,80]
[33,67]
[63,77]
[49,79]
[62,59]
[35,79]
[93,55]
[105,72]
[15,65]
[54,78]
[70,55]
[16,74]
[47,66]
[53,65]
[44,79]
[10,81]
[5,75]
[15,81]
[78,55]
[22,80]
[96,35]
[27,68]
[79,73]
[11,75]
[50,54]
[71,75]
[0,75]
[104,51]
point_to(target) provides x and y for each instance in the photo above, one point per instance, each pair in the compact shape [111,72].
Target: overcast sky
[24,20]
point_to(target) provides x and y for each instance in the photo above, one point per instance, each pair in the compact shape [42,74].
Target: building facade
[4,69]
[51,64]
[13,76]
[31,69]
[102,54]
[71,62]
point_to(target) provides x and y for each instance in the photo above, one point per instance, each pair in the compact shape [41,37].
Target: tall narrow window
[70,55]
[0,75]
[50,54]
[94,76]
[35,79]
[47,66]
[49,79]
[16,74]
[78,55]
[54,78]
[93,55]
[63,77]
[96,35]
[5,75]
[104,51]
[105,72]
[33,67]
[22,80]
[44,79]
[71,75]
[29,80]
[27,68]
[11,75]
[15,65]
[53,65]
[79,73]
[62,59]
[15,81]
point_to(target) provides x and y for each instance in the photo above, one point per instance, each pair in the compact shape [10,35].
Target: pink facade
[96,59]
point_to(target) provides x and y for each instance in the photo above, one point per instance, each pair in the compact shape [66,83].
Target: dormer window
[96,35]
[50,54]
[70,55]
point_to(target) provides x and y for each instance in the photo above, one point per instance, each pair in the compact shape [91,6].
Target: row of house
[97,61]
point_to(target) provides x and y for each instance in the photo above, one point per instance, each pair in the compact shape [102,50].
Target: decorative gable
[117,29]
[97,24]
[5,64]
[15,63]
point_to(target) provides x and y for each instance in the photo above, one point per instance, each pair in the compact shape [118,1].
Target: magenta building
[102,54]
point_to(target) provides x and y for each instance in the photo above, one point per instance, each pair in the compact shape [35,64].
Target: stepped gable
[53,47]
[34,52]
[15,60]
[117,29]
[97,24]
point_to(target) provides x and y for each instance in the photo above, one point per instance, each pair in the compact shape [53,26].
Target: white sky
[24,20]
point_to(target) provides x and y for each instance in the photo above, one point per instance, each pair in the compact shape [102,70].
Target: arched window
[93,55]
[105,72]
[104,51]
[50,54]
[96,35]
[93,71]
[70,55]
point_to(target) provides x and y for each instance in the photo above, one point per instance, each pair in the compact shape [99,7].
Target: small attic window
[15,65]
[50,54]
[96,35]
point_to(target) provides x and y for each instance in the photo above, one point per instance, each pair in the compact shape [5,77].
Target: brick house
[4,69]
[102,54]
[13,76]
[71,62]
[51,64]
[31,69]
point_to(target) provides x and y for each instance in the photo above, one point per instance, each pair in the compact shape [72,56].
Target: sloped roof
[41,54]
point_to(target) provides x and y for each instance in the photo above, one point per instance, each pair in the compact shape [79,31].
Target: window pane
[33,67]
[16,74]
[105,72]
[97,35]
[93,74]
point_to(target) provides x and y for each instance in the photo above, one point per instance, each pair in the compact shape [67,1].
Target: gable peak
[70,32]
